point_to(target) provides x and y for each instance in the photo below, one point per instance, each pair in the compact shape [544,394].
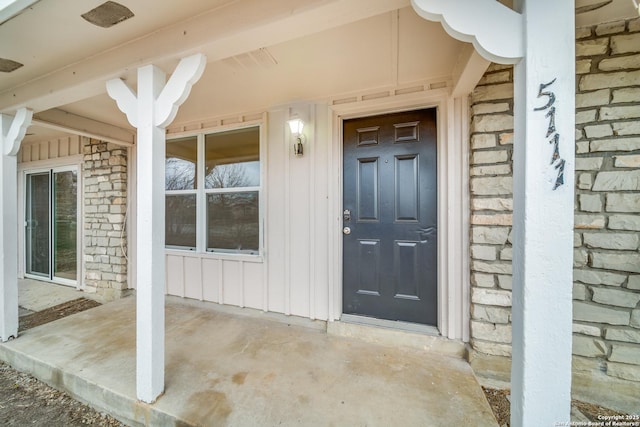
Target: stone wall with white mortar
[606,291]
[105,202]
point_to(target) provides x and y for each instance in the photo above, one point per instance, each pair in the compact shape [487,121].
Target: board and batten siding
[290,276]
[52,149]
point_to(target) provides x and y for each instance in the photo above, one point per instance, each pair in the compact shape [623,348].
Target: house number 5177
[557,162]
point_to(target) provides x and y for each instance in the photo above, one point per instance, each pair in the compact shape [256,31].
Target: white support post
[154,108]
[12,130]
[544,158]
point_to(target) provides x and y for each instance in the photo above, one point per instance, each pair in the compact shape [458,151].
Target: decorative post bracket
[150,111]
[176,91]
[493,29]
[12,131]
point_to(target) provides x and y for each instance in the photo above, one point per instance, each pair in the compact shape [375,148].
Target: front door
[51,222]
[390,217]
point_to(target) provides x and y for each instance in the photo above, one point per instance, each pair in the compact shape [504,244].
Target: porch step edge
[125,409]
[398,338]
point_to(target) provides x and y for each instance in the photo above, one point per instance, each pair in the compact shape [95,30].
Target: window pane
[37,240]
[232,222]
[233,159]
[180,220]
[180,164]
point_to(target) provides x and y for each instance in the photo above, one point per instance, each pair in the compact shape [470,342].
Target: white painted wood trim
[452,318]
[287,215]
[264,198]
[132,212]
[464,216]
[493,29]
[82,126]
[201,197]
[12,135]
[12,130]
[311,149]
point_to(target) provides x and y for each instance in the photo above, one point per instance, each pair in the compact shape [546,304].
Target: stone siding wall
[606,290]
[105,201]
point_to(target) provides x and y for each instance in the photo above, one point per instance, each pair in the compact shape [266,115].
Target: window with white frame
[212,184]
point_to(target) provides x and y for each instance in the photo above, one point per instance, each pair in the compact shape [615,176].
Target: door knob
[346,230]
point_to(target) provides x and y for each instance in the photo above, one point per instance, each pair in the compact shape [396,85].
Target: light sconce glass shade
[296,126]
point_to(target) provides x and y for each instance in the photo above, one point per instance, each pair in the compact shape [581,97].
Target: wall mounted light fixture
[296,125]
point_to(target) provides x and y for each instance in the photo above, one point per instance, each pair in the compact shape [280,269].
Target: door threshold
[390,324]
[396,334]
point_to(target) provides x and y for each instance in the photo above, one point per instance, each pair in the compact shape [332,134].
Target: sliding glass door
[51,221]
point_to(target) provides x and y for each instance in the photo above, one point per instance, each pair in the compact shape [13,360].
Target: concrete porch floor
[223,368]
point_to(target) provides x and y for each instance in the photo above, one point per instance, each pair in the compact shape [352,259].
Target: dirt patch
[25,401]
[499,402]
[56,312]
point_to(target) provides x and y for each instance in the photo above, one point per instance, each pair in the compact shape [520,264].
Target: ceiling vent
[108,14]
[7,65]
[254,60]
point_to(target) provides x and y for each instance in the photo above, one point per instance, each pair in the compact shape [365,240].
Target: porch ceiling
[260,54]
[370,50]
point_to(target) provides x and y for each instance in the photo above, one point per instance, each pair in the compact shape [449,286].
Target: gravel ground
[581,412]
[25,401]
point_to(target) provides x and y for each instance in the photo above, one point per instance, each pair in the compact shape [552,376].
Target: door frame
[453,199]
[62,164]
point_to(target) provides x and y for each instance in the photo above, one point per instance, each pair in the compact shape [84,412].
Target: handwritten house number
[551,131]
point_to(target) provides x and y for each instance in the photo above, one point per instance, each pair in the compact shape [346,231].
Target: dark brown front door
[390,217]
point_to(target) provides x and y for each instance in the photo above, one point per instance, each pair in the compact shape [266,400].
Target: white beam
[12,131]
[543,215]
[235,28]
[153,109]
[492,28]
[78,125]
[468,71]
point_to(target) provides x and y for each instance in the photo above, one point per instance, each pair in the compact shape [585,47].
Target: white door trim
[453,201]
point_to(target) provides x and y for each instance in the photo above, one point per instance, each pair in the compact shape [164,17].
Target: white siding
[226,281]
[48,150]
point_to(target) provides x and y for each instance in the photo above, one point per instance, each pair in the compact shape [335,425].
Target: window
[213,192]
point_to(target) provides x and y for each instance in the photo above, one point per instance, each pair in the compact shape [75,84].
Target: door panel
[367,191]
[390,203]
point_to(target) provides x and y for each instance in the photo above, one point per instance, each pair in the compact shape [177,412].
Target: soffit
[388,50]
[51,34]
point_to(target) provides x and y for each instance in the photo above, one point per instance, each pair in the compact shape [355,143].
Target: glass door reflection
[38,243]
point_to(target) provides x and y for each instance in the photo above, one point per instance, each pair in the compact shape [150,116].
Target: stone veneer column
[105,205]
[491,208]
[606,309]
[606,292]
